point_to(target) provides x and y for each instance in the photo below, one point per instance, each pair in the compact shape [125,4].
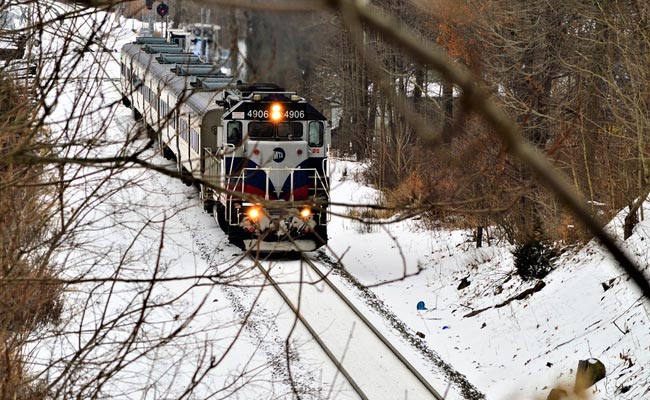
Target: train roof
[178,58]
[200,98]
[199,70]
[150,40]
[162,48]
[202,85]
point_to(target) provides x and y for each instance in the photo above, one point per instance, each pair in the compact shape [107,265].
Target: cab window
[290,130]
[316,132]
[260,130]
[234,132]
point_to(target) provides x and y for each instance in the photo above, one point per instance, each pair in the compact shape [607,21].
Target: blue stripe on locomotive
[257,179]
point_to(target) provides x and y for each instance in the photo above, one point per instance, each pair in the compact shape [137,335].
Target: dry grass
[28,299]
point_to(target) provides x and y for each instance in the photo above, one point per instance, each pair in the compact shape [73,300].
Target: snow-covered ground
[525,348]
[197,321]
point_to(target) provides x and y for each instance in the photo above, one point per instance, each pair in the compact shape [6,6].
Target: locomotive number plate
[262,111]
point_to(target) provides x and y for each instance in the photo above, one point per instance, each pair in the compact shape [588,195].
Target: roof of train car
[199,99]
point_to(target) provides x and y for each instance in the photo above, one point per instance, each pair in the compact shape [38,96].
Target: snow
[137,224]
[520,350]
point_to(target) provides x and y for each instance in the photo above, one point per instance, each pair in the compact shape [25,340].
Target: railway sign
[162,10]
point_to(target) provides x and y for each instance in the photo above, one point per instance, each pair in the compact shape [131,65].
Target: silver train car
[257,153]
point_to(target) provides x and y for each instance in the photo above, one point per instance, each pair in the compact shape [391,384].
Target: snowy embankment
[588,308]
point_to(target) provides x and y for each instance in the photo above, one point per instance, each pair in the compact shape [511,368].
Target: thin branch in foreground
[477,99]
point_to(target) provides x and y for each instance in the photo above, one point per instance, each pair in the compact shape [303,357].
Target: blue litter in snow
[445,327]
[421,306]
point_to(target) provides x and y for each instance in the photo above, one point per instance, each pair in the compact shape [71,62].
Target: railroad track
[261,328]
[386,382]
[415,387]
[466,389]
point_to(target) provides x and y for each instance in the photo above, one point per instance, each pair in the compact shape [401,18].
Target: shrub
[30,300]
[534,259]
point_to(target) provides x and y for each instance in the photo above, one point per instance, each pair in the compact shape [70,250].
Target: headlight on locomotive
[254,213]
[276,112]
[305,213]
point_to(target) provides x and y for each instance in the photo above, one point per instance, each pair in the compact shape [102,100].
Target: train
[257,153]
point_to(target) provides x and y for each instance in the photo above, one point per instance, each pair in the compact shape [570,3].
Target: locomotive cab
[275,172]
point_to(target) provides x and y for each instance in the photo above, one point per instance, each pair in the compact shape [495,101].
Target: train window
[194,139]
[234,132]
[260,130]
[315,138]
[290,130]
[184,130]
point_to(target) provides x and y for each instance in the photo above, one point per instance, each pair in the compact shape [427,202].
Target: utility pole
[202,36]
[152,17]
[149,6]
[207,43]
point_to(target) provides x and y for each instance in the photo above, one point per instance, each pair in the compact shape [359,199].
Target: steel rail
[310,329]
[360,315]
[377,333]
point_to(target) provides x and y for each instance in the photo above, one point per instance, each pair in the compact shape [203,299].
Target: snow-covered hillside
[528,346]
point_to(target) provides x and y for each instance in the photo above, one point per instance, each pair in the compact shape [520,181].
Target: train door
[233,148]
[182,135]
[209,139]
[136,93]
[210,143]
[173,140]
[196,149]
[159,108]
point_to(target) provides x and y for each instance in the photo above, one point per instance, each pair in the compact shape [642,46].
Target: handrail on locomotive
[236,182]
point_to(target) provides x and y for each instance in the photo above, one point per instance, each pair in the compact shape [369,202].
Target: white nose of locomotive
[281,158]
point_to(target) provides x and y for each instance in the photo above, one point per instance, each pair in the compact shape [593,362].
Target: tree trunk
[632,218]
[479,236]
[448,106]
[234,45]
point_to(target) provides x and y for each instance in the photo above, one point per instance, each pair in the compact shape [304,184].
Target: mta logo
[278,155]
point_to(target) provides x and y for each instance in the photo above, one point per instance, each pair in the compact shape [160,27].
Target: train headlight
[254,213]
[276,112]
[305,213]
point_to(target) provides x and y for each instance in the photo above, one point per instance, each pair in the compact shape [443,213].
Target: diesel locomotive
[257,153]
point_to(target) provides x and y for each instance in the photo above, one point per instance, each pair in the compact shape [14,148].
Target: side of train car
[257,153]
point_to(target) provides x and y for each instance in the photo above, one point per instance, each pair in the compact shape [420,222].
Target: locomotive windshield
[280,131]
[290,130]
[316,134]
